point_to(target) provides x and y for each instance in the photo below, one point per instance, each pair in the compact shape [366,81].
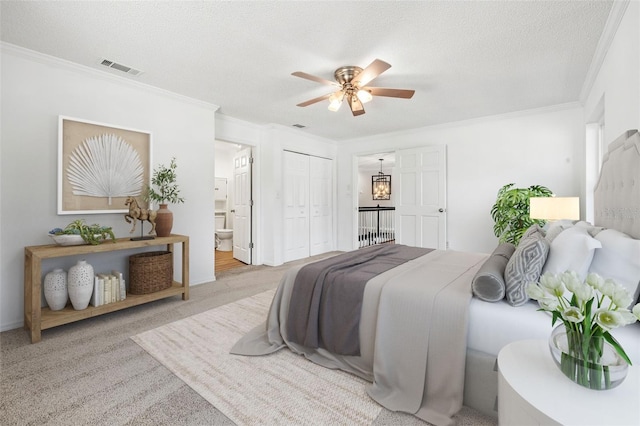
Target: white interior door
[296,205]
[242,205]
[421,206]
[321,226]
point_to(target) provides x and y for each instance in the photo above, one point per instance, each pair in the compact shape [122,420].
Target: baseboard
[11,326]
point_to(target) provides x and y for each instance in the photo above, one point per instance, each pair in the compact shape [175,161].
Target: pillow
[533,229]
[572,250]
[488,283]
[618,259]
[525,267]
[592,230]
[555,228]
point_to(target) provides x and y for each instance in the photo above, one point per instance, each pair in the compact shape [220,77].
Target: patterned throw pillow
[525,267]
[535,228]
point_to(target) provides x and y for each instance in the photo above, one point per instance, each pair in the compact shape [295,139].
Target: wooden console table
[37,318]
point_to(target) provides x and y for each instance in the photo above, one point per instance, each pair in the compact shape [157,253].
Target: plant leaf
[613,342]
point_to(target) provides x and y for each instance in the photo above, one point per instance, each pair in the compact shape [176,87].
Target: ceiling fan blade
[356,106]
[314,100]
[374,69]
[314,78]
[391,93]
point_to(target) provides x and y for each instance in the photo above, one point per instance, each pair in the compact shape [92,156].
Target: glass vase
[594,363]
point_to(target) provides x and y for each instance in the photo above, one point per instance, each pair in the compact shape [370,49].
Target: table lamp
[554,208]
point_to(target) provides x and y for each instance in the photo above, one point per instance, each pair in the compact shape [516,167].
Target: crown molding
[606,38]
[472,121]
[8,48]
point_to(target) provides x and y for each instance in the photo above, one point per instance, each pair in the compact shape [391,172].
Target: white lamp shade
[335,105]
[554,208]
[364,96]
[335,100]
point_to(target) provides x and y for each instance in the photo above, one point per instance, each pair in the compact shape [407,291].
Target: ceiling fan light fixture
[335,100]
[364,96]
[352,82]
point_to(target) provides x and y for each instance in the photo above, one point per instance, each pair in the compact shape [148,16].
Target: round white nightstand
[533,391]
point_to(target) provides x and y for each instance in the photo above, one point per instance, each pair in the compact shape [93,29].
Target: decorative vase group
[164,221]
[596,365]
[55,289]
[80,281]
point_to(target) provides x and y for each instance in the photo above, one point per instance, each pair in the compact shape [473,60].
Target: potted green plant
[164,190]
[511,211]
[78,232]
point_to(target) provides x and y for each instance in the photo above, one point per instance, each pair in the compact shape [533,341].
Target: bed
[471,304]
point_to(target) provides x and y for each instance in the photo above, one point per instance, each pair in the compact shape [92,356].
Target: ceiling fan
[352,83]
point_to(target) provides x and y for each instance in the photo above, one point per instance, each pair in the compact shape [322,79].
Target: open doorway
[233,206]
[417,197]
[376,200]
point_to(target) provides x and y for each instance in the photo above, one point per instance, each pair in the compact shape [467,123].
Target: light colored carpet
[92,373]
[281,388]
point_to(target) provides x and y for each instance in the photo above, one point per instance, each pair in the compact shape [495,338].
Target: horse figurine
[136,213]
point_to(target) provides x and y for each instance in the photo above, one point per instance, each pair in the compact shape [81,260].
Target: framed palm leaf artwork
[100,165]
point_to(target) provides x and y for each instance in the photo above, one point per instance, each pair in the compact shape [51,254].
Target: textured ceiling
[464,59]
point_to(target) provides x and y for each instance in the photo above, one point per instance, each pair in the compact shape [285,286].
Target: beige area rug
[281,388]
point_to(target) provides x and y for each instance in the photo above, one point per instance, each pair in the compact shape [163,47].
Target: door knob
[233,210]
[441,210]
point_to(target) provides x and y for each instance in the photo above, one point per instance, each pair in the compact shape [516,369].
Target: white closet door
[296,205]
[242,205]
[321,226]
[421,209]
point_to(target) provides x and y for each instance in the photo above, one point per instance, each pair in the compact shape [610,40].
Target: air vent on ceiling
[120,67]
[299,126]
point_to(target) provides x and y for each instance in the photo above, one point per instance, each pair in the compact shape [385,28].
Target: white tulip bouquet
[589,310]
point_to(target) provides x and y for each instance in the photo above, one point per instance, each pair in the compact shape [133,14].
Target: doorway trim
[355,179]
[256,252]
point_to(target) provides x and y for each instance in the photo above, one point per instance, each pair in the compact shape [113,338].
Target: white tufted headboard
[617,194]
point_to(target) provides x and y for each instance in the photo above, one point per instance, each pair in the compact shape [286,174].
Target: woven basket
[150,272]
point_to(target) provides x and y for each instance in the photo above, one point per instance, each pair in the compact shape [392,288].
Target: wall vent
[116,66]
[299,126]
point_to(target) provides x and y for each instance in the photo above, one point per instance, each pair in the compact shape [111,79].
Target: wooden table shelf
[37,318]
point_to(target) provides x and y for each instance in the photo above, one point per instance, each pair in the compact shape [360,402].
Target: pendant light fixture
[381,185]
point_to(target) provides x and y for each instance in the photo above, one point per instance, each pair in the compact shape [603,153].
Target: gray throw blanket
[326,301]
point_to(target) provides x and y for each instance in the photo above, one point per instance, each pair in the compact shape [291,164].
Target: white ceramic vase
[55,289]
[80,284]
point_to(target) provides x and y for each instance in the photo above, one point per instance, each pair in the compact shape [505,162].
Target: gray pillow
[532,230]
[525,267]
[488,283]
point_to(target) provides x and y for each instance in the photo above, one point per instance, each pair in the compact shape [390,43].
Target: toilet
[224,237]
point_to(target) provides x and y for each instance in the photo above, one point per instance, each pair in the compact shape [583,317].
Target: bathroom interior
[224,157]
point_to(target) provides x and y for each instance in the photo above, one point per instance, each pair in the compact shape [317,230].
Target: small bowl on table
[68,239]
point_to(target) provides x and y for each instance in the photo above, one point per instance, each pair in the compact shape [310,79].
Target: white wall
[35,90]
[269,142]
[541,147]
[618,79]
[612,90]
[275,140]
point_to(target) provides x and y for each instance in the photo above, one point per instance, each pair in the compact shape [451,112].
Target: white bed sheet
[494,325]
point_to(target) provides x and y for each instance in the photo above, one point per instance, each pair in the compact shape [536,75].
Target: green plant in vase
[92,234]
[511,211]
[164,190]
